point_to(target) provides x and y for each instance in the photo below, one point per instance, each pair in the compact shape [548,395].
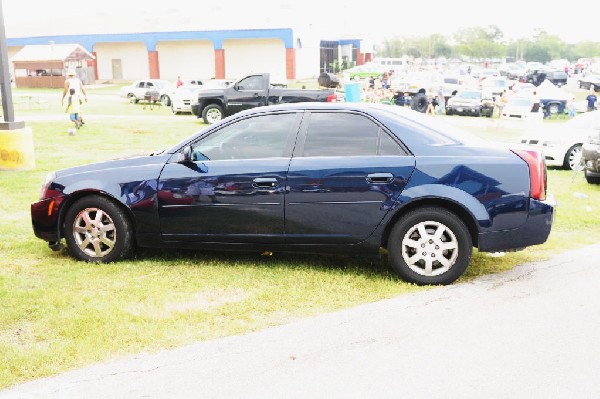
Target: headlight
[49,178]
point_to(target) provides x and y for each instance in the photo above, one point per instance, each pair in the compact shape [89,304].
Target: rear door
[344,176]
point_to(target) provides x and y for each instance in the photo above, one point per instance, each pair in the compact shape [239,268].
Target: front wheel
[212,114]
[97,230]
[430,246]
[165,100]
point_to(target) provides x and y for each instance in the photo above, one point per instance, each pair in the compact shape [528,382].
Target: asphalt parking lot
[527,333]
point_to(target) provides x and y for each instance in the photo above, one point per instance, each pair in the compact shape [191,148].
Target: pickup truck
[251,91]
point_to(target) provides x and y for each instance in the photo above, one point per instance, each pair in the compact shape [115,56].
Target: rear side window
[344,134]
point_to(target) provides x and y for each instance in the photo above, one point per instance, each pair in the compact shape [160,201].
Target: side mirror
[186,155]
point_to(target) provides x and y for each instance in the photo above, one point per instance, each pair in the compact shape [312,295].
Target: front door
[117,69]
[234,190]
[249,92]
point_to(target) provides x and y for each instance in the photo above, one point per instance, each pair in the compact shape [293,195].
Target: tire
[97,230]
[449,111]
[416,241]
[592,179]
[553,108]
[132,99]
[212,113]
[572,158]
[419,102]
[165,100]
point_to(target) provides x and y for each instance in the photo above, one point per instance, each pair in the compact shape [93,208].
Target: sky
[350,19]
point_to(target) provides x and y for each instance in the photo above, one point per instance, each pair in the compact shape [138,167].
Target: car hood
[134,161]
[211,93]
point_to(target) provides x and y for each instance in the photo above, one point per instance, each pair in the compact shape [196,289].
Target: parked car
[493,87]
[591,150]
[537,76]
[512,71]
[154,88]
[341,178]
[186,95]
[364,71]
[470,102]
[517,107]
[588,81]
[562,143]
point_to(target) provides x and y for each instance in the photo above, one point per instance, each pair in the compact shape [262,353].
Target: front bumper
[45,218]
[591,155]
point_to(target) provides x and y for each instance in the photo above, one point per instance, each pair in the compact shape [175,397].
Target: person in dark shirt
[591,100]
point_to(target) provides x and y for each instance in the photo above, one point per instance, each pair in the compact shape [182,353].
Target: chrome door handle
[380,178]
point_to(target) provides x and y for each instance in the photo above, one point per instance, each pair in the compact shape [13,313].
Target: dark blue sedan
[345,178]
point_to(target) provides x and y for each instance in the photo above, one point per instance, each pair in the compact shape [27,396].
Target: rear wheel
[573,158]
[430,246]
[165,100]
[131,98]
[97,230]
[553,108]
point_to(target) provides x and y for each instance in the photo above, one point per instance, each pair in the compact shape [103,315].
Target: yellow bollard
[16,149]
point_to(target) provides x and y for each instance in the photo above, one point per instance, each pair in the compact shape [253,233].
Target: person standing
[501,103]
[591,100]
[571,107]
[73,82]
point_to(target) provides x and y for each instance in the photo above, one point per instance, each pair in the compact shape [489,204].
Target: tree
[480,42]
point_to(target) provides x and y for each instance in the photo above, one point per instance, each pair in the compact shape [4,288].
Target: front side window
[343,134]
[259,137]
[251,83]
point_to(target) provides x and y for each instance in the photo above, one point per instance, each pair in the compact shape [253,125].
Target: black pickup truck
[251,91]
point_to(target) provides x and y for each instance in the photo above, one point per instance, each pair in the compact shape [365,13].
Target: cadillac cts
[344,178]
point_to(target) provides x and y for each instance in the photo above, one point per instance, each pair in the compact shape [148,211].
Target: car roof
[393,117]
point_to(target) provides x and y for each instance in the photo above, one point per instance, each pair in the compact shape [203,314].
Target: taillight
[332,98]
[537,172]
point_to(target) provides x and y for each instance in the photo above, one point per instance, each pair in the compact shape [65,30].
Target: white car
[149,90]
[185,95]
[493,86]
[517,107]
[562,143]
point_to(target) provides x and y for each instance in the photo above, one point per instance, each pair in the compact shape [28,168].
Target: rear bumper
[534,231]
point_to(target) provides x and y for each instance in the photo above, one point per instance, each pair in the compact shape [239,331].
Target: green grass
[58,313]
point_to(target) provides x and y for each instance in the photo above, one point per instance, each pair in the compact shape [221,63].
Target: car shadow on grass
[356,265]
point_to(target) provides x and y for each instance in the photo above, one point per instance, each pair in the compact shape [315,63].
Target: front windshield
[472,95]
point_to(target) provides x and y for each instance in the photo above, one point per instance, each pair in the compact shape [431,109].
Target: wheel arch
[451,206]
[74,197]
[211,101]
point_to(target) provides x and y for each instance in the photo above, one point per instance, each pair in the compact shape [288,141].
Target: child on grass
[73,109]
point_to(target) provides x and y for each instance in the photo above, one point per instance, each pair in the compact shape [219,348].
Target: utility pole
[5,89]
[16,140]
